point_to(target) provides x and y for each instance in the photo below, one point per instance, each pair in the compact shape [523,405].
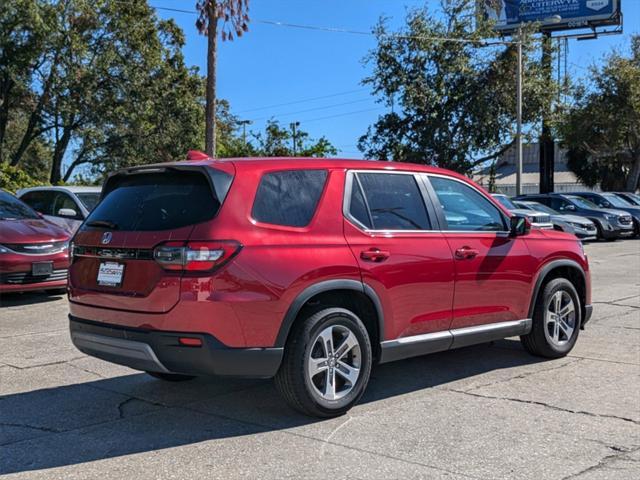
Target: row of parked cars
[38,222]
[588,215]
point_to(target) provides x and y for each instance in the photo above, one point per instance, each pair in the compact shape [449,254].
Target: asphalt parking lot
[490,411]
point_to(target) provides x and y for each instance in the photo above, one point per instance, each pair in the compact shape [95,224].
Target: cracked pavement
[485,412]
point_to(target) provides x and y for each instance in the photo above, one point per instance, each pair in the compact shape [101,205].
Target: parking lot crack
[603,462]
[546,405]
[524,375]
[31,427]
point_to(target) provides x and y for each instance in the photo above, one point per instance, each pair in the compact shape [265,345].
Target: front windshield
[583,202]
[505,202]
[635,198]
[89,199]
[541,208]
[13,209]
[616,201]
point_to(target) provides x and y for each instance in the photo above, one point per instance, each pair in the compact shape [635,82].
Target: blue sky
[273,65]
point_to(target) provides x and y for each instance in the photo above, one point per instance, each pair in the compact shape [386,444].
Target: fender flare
[326,286]
[544,271]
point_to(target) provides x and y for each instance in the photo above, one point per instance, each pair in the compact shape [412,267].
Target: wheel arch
[337,289]
[565,268]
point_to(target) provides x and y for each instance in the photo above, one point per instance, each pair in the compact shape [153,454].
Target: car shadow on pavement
[129,414]
[19,299]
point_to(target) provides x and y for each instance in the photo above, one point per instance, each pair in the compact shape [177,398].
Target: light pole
[293,126]
[519,117]
[244,124]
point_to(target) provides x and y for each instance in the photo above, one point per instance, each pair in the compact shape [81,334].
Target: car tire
[553,335]
[171,377]
[327,363]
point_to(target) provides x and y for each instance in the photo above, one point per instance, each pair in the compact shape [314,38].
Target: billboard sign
[551,14]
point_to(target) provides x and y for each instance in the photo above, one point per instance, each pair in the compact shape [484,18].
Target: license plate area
[41,269]
[110,274]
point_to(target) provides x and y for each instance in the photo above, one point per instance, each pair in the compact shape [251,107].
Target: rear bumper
[160,351]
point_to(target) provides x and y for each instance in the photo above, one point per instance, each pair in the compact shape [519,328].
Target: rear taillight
[195,256]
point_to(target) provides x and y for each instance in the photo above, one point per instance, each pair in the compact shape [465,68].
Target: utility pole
[519,117]
[545,142]
[293,126]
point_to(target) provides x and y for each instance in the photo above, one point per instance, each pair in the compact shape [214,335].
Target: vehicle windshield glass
[616,201]
[13,209]
[89,199]
[582,202]
[506,202]
[541,208]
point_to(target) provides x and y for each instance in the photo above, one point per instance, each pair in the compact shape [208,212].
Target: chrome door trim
[406,347]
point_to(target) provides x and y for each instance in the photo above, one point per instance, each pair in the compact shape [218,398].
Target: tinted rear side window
[288,197]
[40,200]
[157,201]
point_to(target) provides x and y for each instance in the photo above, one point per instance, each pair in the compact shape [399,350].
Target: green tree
[235,19]
[601,131]
[277,141]
[102,83]
[453,102]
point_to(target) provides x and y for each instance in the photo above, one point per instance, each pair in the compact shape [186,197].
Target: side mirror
[520,225]
[67,212]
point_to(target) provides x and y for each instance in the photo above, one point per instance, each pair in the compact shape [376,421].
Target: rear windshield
[156,201]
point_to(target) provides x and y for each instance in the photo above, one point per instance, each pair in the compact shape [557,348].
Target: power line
[357,32]
[314,109]
[304,100]
[340,115]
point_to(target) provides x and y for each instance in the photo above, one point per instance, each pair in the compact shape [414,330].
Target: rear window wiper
[102,223]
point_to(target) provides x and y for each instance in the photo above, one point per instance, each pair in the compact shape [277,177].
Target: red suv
[312,270]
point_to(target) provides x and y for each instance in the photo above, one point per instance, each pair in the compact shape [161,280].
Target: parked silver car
[65,206]
[581,227]
[538,219]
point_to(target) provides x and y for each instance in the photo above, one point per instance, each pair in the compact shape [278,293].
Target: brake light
[195,256]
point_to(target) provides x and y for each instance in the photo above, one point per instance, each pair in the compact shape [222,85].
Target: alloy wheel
[560,318]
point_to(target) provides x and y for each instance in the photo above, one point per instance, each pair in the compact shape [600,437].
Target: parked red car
[33,251]
[312,270]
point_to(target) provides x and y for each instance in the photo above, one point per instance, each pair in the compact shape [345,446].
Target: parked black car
[632,198]
[611,224]
[611,200]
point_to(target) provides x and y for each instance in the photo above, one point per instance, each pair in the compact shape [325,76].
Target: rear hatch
[141,211]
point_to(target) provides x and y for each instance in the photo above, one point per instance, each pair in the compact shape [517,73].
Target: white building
[505,173]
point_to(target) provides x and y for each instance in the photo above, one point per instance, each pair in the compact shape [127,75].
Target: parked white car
[65,206]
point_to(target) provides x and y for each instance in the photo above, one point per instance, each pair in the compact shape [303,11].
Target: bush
[13,179]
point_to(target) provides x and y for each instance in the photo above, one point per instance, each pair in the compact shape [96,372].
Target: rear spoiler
[219,180]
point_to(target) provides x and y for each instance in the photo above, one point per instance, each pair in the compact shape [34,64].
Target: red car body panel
[421,286]
[31,232]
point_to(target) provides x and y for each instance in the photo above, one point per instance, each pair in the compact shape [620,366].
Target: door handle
[464,253]
[374,255]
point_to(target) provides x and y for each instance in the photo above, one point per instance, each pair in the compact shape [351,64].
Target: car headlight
[4,249]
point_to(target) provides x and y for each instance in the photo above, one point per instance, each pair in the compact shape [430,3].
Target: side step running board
[406,347]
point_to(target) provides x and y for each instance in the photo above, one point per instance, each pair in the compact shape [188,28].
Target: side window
[559,204]
[289,197]
[63,200]
[40,201]
[394,202]
[465,208]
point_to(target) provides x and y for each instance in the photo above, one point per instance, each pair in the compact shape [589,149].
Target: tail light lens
[195,256]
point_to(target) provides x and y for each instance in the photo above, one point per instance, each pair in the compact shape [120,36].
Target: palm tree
[234,18]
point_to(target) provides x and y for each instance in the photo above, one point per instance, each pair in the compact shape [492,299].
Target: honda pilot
[312,271]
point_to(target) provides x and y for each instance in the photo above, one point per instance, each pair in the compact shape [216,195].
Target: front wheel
[556,320]
[327,363]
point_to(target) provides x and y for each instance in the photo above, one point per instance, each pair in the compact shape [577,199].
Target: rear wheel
[171,377]
[556,320]
[327,363]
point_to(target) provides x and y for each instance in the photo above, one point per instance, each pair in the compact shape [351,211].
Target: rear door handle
[464,253]
[374,255]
